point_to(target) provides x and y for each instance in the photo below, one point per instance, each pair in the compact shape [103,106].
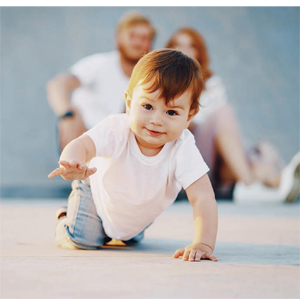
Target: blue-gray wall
[254,50]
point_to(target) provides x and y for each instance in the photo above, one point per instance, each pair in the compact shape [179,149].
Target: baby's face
[154,123]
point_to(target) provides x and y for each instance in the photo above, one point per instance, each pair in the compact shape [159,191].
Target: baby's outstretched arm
[201,197]
[73,158]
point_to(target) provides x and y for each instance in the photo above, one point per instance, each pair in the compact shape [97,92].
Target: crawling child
[130,167]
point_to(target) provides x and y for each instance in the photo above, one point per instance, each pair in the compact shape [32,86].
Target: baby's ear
[127,102]
[192,113]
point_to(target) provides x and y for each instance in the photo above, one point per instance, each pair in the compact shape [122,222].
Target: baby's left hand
[195,252]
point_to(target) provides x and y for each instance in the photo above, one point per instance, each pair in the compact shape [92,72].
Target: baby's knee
[65,239]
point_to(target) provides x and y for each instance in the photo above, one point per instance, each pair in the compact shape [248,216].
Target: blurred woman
[217,136]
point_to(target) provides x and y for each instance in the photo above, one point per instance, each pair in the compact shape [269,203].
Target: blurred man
[94,87]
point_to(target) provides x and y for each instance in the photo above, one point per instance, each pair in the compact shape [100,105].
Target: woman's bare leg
[235,166]
[229,147]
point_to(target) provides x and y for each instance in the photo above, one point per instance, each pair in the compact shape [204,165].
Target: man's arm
[202,199]
[59,91]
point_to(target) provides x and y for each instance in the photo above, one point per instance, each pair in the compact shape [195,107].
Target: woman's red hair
[199,44]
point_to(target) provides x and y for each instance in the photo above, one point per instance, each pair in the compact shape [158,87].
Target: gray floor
[257,248]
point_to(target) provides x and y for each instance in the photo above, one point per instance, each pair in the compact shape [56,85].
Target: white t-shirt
[103,85]
[212,98]
[129,189]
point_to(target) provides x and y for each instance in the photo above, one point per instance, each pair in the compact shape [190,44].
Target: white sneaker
[288,190]
[61,212]
[256,193]
[290,180]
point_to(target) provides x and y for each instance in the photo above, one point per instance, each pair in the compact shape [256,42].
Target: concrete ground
[257,248]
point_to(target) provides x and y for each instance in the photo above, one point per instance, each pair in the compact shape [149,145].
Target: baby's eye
[148,107]
[172,112]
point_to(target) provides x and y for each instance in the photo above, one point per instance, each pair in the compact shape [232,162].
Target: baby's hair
[170,72]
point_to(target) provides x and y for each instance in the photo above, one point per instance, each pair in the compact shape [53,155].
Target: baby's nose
[156,120]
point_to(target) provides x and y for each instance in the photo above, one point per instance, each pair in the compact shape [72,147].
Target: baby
[130,167]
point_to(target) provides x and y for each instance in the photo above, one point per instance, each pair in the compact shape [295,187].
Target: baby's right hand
[72,171]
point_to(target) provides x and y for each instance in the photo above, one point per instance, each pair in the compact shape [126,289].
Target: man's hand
[195,252]
[72,171]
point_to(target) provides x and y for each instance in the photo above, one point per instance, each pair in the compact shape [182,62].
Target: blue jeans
[82,227]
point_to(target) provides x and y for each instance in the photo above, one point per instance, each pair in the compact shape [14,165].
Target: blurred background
[255,50]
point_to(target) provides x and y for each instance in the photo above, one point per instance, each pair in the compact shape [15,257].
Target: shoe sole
[293,194]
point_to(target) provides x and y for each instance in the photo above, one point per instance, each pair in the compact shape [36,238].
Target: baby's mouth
[154,133]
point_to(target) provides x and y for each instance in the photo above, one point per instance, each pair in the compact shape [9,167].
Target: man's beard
[125,55]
